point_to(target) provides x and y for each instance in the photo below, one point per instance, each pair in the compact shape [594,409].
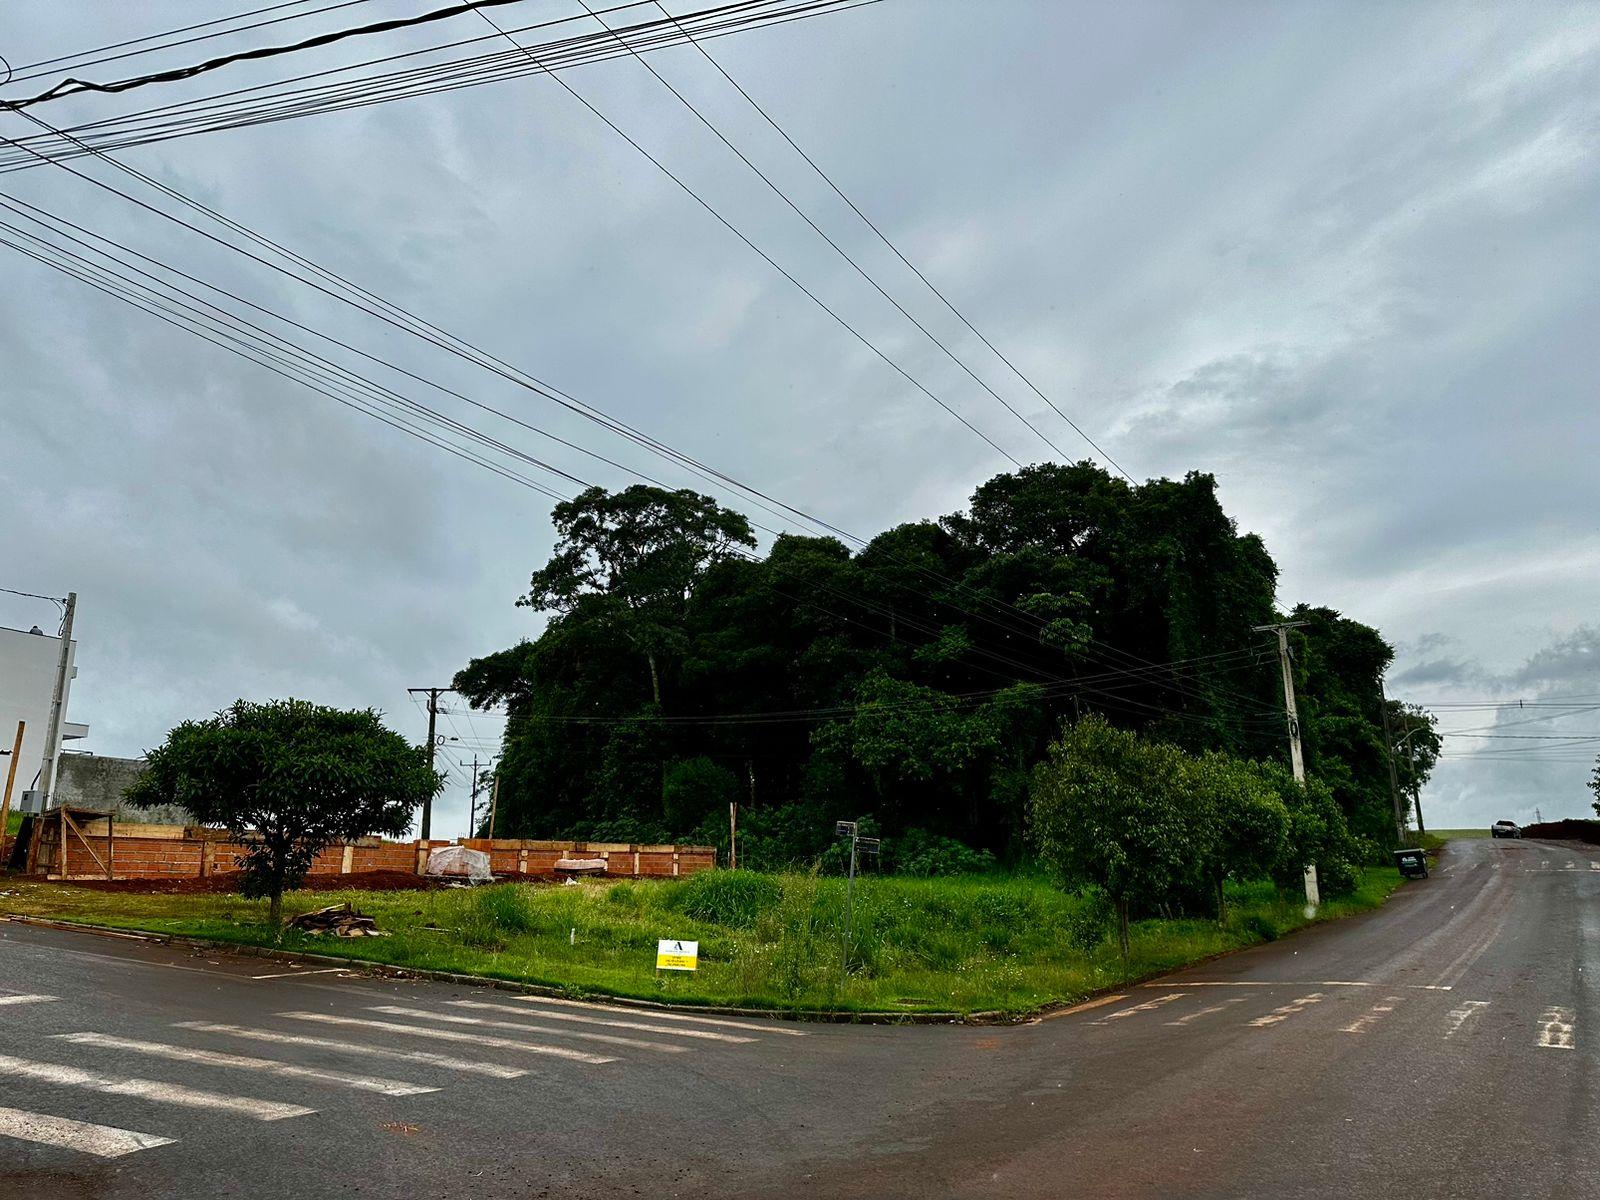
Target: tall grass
[960,943]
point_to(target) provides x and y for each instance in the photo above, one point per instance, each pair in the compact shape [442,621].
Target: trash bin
[1413,864]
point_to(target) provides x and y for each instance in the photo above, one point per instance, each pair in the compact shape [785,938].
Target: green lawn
[968,944]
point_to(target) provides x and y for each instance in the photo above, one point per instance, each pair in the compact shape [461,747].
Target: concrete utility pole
[494,802]
[1297,757]
[58,702]
[1394,779]
[433,746]
[472,801]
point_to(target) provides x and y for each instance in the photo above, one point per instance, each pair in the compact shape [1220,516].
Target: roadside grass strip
[1459,1016]
[1555,1028]
[26,999]
[1285,1011]
[452,1035]
[1147,1006]
[706,1034]
[149,1089]
[102,1141]
[422,1014]
[425,1057]
[1372,1016]
[772,1026]
[242,1062]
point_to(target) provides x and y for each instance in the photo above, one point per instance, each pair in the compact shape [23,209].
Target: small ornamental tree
[1318,834]
[1249,825]
[287,779]
[1108,810]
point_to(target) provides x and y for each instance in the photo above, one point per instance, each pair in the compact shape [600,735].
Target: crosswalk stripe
[425,1057]
[451,1035]
[1555,1028]
[1206,1012]
[706,1034]
[397,1010]
[26,999]
[102,1141]
[149,1089]
[1285,1011]
[1132,1009]
[775,1025]
[243,1062]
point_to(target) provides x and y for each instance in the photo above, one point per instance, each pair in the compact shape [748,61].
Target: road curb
[367,966]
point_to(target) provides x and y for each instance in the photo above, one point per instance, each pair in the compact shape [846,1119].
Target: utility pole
[58,702]
[494,802]
[1297,757]
[1394,779]
[852,830]
[472,800]
[433,745]
[11,778]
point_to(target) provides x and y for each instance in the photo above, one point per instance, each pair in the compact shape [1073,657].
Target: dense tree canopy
[916,680]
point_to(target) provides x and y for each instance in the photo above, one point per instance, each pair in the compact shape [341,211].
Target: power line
[884,238]
[153,37]
[72,87]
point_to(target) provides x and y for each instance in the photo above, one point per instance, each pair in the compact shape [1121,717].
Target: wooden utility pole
[433,746]
[1297,758]
[58,701]
[11,778]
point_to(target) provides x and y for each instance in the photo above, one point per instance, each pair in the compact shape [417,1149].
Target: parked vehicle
[1505,829]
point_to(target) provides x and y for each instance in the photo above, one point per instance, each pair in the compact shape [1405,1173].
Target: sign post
[673,954]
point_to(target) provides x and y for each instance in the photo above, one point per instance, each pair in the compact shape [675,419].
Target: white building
[27,683]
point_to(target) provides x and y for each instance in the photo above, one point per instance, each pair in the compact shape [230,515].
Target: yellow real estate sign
[674,955]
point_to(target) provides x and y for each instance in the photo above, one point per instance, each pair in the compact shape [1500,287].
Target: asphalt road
[1443,1046]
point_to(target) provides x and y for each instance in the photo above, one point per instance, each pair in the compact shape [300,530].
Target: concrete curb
[385,970]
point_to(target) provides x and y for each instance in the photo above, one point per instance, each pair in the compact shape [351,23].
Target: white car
[1505,829]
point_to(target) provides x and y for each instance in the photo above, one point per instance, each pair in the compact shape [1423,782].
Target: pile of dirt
[365,881]
[1570,830]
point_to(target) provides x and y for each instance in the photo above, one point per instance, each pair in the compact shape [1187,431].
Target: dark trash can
[1413,864]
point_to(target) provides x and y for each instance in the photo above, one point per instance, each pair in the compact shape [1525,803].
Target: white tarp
[458,862]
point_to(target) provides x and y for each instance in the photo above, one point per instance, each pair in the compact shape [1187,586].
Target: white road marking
[1568,866]
[1147,1006]
[1299,983]
[398,1010]
[1594,866]
[1206,1012]
[243,1062]
[1459,1016]
[1373,1015]
[102,1141]
[26,999]
[149,1089]
[425,1057]
[293,974]
[1285,1011]
[452,1035]
[776,1025]
[1555,1028]
[706,1034]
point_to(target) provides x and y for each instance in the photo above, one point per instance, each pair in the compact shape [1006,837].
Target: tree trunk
[1222,901]
[1122,931]
[655,679]
[275,907]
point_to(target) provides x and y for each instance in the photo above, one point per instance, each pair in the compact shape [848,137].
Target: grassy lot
[1435,838]
[970,944]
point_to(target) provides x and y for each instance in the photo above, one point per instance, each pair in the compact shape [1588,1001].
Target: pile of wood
[341,920]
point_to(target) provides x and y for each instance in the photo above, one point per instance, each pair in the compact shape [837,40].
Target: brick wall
[178,852]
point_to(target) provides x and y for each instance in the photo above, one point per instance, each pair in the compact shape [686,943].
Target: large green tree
[287,779]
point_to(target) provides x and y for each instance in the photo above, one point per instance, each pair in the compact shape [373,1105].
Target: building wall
[27,681]
[97,781]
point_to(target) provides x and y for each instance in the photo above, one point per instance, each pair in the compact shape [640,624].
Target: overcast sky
[1344,256]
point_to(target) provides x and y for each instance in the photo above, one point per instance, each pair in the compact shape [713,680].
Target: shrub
[736,899]
[918,852]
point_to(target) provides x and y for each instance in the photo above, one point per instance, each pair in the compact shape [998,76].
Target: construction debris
[580,866]
[341,920]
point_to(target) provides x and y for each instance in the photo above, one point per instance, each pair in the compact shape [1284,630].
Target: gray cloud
[1343,256]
